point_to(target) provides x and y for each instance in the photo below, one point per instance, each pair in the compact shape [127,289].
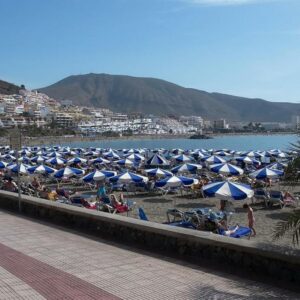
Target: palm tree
[292,224]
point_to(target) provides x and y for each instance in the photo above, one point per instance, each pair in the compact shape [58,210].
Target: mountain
[154,96]
[7,88]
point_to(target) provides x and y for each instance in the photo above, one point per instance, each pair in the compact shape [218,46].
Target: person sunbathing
[10,185]
[288,197]
[36,184]
[114,201]
[224,229]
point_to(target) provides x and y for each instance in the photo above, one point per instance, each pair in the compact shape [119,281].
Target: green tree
[292,224]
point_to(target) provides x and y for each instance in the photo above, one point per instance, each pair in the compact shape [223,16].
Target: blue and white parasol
[99,160]
[186,168]
[56,161]
[214,159]
[157,160]
[176,181]
[98,175]
[68,172]
[16,167]
[76,160]
[158,172]
[227,190]
[182,158]
[226,169]
[128,177]
[266,173]
[41,169]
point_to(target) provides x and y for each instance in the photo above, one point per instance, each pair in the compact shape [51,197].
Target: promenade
[41,261]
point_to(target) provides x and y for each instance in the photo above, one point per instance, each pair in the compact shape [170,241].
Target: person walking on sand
[251,219]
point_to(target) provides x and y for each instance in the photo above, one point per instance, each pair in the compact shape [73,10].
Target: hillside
[7,88]
[154,96]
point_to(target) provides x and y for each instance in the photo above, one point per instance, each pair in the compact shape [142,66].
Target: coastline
[57,140]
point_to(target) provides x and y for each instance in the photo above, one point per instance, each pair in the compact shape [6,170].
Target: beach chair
[275,198]
[290,200]
[142,214]
[239,233]
[176,214]
[261,194]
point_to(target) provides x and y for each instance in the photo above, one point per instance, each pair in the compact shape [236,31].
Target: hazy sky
[242,47]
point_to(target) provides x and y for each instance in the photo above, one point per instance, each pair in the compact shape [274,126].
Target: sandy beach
[155,207]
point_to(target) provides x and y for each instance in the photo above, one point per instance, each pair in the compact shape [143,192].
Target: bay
[232,142]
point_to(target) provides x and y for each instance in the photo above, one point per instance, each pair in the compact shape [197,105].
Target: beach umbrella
[98,175]
[275,152]
[185,168]
[266,173]
[76,160]
[158,172]
[3,164]
[39,159]
[91,153]
[130,151]
[15,168]
[129,177]
[24,152]
[227,190]
[177,151]
[42,153]
[265,154]
[248,160]
[24,159]
[214,159]
[251,154]
[182,158]
[99,160]
[222,153]
[8,157]
[199,154]
[56,161]
[277,166]
[69,152]
[283,155]
[157,160]
[111,155]
[68,172]
[226,169]
[135,157]
[41,169]
[125,162]
[54,154]
[175,181]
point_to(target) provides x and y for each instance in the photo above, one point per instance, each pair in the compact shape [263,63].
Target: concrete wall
[199,247]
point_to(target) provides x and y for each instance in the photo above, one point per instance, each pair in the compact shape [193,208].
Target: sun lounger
[261,194]
[275,197]
[177,215]
[142,214]
[239,233]
[184,224]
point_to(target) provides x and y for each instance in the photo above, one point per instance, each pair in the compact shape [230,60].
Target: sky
[247,48]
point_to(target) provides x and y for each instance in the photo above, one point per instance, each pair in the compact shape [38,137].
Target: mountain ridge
[7,88]
[124,93]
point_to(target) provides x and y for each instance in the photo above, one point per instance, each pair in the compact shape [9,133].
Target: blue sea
[234,142]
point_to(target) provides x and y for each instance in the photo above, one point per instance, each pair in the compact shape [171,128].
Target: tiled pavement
[38,261]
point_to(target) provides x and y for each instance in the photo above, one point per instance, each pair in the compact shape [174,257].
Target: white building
[296,122]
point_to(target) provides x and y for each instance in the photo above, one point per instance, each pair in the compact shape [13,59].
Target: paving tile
[100,266]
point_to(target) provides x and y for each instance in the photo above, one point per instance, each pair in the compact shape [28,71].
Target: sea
[232,142]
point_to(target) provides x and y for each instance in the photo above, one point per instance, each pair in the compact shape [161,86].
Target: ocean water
[232,142]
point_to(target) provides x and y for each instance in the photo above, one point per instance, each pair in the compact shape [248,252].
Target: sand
[156,205]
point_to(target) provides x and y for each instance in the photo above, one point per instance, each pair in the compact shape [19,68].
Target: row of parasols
[224,189]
